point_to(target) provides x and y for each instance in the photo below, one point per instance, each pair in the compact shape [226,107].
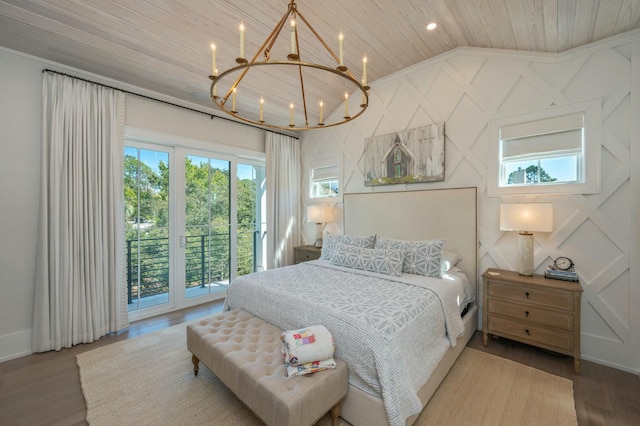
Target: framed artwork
[410,156]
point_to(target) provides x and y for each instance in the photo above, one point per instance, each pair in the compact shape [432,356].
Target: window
[324,182]
[547,152]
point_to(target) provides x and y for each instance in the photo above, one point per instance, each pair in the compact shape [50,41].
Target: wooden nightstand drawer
[306,253]
[533,310]
[531,313]
[530,333]
[530,294]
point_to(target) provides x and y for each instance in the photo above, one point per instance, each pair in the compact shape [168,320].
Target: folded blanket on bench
[308,350]
[310,367]
[309,344]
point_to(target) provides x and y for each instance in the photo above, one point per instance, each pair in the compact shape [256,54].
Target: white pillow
[420,257]
[388,262]
[329,242]
[449,260]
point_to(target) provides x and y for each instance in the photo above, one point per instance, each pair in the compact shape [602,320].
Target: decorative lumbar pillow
[449,260]
[388,262]
[329,242]
[420,257]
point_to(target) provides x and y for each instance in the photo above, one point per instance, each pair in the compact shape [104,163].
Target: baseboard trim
[15,345]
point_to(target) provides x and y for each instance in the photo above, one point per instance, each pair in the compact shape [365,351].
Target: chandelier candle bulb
[341,48]
[291,122]
[233,101]
[293,36]
[346,104]
[261,109]
[214,70]
[321,107]
[364,70]
[242,39]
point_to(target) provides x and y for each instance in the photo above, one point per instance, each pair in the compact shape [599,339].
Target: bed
[400,333]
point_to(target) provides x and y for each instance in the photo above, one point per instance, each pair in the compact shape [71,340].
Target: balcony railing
[207,260]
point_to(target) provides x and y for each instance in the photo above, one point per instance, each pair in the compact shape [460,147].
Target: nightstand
[306,253]
[534,310]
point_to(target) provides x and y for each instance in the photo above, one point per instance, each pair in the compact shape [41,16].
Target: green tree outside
[207,221]
[531,175]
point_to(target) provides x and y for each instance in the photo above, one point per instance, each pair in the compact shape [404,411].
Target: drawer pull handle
[526,314]
[527,331]
[527,294]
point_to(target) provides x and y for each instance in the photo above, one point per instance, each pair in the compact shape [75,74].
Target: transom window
[324,182]
[547,152]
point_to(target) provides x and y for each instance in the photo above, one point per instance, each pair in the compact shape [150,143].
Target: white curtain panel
[283,195]
[80,293]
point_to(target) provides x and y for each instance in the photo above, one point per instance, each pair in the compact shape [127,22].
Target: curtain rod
[164,102]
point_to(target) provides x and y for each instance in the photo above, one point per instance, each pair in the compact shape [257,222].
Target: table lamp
[320,215]
[526,218]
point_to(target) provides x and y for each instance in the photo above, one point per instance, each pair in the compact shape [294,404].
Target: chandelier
[266,85]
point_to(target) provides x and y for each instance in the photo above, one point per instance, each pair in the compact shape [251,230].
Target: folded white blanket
[306,345]
[310,367]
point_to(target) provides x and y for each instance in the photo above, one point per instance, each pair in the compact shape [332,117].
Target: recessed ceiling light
[431,26]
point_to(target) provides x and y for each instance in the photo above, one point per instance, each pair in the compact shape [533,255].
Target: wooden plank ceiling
[163,46]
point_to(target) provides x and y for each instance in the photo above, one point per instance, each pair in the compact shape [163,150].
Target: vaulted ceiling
[163,45]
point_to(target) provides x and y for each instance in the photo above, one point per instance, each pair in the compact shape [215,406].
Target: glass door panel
[251,235]
[146,193]
[207,241]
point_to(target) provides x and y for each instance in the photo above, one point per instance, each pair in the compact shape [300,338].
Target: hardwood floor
[44,389]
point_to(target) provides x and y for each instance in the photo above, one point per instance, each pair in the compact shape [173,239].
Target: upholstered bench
[244,352]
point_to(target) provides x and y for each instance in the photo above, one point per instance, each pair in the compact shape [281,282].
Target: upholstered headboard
[450,214]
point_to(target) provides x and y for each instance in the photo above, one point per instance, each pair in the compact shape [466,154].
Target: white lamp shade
[319,214]
[536,217]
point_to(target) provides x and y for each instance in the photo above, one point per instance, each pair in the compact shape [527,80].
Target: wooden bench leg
[195,361]
[335,413]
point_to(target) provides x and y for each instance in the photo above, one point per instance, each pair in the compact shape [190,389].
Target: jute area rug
[149,381]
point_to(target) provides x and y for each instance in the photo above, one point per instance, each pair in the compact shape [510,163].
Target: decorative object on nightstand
[563,268]
[306,253]
[537,217]
[320,215]
[532,310]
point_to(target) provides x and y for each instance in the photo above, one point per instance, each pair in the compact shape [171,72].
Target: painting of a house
[411,156]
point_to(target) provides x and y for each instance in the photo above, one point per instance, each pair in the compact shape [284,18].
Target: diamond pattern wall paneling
[469,87]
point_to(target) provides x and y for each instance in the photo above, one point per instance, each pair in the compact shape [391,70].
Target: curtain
[283,195]
[80,293]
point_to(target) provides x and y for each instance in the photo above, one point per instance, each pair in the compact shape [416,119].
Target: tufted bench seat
[244,352]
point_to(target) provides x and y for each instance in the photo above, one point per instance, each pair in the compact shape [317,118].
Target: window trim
[321,163]
[591,151]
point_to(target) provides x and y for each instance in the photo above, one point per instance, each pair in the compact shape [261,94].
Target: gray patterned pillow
[388,262]
[420,257]
[329,242]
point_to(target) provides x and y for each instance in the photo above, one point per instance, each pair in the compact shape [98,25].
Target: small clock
[563,263]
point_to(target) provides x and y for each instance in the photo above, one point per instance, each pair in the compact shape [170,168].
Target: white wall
[20,143]
[20,116]
[466,88]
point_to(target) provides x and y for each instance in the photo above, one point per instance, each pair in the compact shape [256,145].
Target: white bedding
[465,292]
[391,331]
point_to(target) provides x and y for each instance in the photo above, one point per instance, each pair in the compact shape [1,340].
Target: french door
[194,221]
